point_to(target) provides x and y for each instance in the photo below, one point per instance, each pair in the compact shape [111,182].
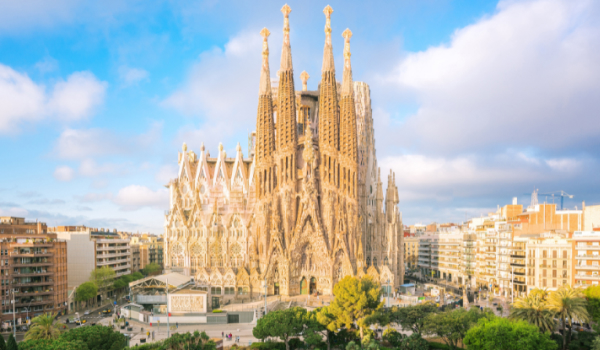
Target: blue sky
[474,102]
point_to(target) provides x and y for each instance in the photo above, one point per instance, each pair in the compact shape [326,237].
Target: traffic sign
[114,302]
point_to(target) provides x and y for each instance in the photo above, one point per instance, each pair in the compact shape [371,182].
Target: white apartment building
[586,253]
[88,249]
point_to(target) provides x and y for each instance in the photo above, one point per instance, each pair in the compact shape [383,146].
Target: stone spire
[287,137]
[347,88]
[348,127]
[265,74]
[329,123]
[328,52]
[304,77]
[286,51]
[265,127]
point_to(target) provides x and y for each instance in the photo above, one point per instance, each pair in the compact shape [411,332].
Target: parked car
[86,313]
[107,311]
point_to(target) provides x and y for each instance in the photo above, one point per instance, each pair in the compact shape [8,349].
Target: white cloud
[77,97]
[23,100]
[48,64]
[87,143]
[220,85]
[136,197]
[422,177]
[132,76]
[526,76]
[64,173]
[166,173]
[89,167]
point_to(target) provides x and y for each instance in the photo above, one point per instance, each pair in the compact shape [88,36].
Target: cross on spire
[304,77]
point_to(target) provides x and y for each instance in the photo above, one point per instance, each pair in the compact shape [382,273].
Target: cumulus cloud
[23,100]
[89,167]
[166,173]
[132,76]
[83,144]
[527,76]
[64,173]
[219,88]
[136,197]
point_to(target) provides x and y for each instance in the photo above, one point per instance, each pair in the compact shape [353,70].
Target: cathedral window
[375,262]
[229,290]
[368,262]
[385,261]
[215,290]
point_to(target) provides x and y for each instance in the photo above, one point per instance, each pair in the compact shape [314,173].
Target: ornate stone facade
[306,208]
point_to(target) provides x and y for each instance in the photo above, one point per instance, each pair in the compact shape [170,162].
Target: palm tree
[542,293]
[569,305]
[534,310]
[43,327]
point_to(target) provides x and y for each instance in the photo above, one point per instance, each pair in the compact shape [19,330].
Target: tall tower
[348,135]
[287,137]
[329,118]
[265,128]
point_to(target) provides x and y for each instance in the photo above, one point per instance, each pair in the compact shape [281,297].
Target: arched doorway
[276,289]
[303,286]
[313,285]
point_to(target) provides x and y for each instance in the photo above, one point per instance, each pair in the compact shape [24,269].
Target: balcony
[517,264]
[32,284]
[30,255]
[35,264]
[587,256]
[587,267]
[111,262]
[32,274]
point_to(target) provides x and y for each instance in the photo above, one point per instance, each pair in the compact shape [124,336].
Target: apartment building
[33,271]
[549,257]
[150,247]
[591,217]
[135,258]
[411,252]
[586,254]
[156,253]
[89,248]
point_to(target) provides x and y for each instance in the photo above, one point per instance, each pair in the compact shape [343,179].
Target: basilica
[304,208]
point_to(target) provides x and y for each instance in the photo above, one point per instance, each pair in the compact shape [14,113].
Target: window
[242,290]
[565,254]
[554,273]
[554,254]
[229,290]
[544,254]
[544,283]
[544,273]
[215,290]
[553,283]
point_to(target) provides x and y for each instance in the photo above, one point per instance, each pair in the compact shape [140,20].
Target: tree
[452,326]
[96,338]
[151,268]
[320,325]
[2,343]
[86,291]
[12,343]
[412,317]
[283,324]
[43,327]
[592,293]
[496,333]
[413,342]
[52,344]
[355,300]
[569,305]
[103,277]
[138,275]
[539,292]
[393,337]
[534,310]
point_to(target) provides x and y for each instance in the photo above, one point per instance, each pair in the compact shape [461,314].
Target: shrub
[438,346]
[268,345]
[217,311]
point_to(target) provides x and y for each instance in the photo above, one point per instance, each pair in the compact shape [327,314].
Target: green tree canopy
[282,324]
[592,293]
[151,268]
[103,277]
[568,305]
[97,337]
[534,310]
[2,343]
[137,275]
[43,327]
[496,333]
[452,325]
[52,344]
[11,344]
[412,317]
[86,291]
[320,326]
[355,300]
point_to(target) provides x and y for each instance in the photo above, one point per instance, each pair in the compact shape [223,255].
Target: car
[86,313]
[107,311]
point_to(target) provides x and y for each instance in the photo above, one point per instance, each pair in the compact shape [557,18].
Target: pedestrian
[230,335]
[222,335]
[177,325]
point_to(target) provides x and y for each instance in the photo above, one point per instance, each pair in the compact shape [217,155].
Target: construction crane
[562,195]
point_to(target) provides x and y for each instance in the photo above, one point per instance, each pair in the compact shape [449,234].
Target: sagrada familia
[305,208]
